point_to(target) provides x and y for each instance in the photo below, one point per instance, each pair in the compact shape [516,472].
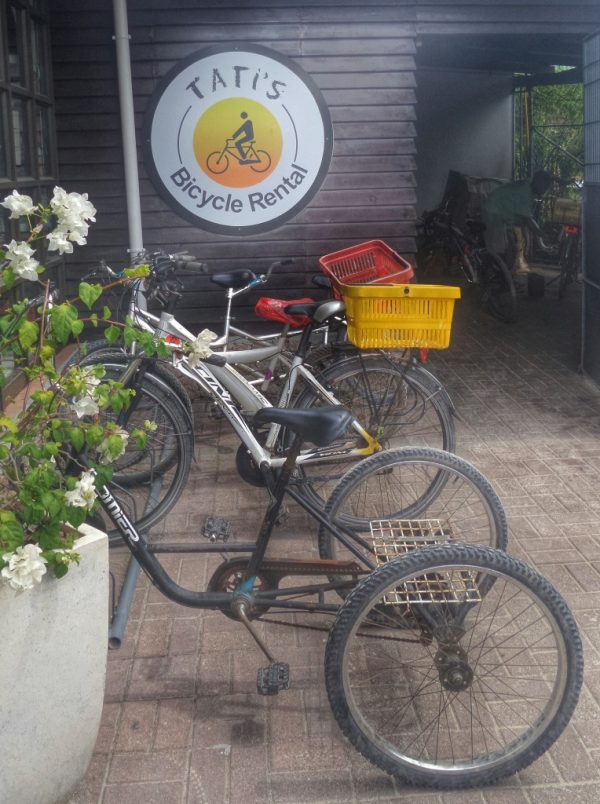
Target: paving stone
[137,725]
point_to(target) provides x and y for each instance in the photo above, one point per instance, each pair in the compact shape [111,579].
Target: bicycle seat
[318,311]
[321,281]
[302,308]
[233,279]
[320,426]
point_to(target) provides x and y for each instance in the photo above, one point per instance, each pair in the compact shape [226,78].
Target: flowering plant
[46,490]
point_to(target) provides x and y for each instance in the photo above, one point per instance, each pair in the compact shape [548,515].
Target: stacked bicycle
[448,663]
[395,402]
[448,253]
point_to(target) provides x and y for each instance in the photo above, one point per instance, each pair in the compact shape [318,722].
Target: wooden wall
[361,55]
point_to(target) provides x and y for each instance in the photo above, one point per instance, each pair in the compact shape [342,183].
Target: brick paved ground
[182,722]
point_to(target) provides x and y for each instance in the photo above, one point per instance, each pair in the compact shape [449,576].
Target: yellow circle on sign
[237,142]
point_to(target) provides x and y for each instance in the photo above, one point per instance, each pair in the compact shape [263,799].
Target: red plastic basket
[371,263]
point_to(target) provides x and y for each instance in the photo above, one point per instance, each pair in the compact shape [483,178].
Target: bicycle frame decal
[237,138]
[118,517]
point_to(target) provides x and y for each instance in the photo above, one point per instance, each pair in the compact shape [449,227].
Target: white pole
[132,187]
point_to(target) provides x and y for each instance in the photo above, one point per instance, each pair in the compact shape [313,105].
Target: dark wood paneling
[360,55]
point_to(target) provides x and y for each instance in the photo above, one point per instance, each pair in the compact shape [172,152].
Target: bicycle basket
[366,263]
[399,316]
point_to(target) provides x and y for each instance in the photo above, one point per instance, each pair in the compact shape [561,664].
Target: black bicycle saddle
[320,426]
[233,279]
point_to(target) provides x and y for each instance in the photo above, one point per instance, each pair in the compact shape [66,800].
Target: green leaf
[62,317]
[76,515]
[8,424]
[94,319]
[138,272]
[140,438]
[28,334]
[77,438]
[106,313]
[52,502]
[48,535]
[112,334]
[103,475]
[116,403]
[11,531]
[94,435]
[89,294]
[9,278]
[59,569]
[76,328]
[115,446]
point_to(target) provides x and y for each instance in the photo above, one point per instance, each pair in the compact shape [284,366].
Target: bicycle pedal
[272,679]
[216,529]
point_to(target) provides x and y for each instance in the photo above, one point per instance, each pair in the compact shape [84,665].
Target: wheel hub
[456,676]
[454,670]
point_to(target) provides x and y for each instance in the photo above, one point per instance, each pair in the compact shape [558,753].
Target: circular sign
[237,139]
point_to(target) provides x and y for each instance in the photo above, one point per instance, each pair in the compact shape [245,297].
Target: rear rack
[393,538]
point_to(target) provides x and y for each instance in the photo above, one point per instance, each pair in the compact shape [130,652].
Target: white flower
[199,348]
[85,406]
[21,260]
[18,204]
[73,212]
[26,566]
[58,241]
[88,376]
[84,493]
[72,207]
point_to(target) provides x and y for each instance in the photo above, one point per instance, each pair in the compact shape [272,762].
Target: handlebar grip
[193,265]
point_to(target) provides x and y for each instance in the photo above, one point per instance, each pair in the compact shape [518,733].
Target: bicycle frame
[145,554]
[269,346]
[224,385]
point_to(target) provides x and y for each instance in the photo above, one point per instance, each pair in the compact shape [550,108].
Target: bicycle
[218,161]
[444,250]
[390,399]
[448,665]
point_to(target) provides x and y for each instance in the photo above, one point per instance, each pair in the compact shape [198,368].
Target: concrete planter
[53,642]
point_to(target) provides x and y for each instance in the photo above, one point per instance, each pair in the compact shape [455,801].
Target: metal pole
[132,187]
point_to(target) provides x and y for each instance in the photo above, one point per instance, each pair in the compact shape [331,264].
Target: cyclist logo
[237,161]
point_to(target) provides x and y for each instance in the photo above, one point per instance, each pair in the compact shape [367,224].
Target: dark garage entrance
[465,118]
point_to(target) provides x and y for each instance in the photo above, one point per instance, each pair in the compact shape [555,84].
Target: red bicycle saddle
[275,310]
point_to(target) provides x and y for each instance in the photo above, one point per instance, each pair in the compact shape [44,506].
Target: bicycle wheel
[414,493]
[264,162]
[498,292]
[148,482]
[100,351]
[217,162]
[453,667]
[568,266]
[395,402]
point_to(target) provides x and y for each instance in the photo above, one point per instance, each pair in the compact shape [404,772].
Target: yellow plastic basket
[399,316]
